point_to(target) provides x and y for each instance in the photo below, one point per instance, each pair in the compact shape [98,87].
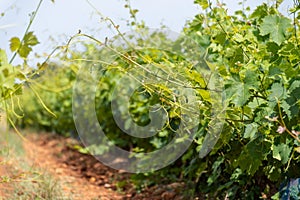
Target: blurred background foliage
[256,54]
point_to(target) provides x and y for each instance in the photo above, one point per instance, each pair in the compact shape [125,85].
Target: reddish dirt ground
[4,186]
[74,170]
[84,177]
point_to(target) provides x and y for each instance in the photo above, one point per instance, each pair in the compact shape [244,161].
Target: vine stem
[129,60]
[224,31]
[110,22]
[283,124]
[27,30]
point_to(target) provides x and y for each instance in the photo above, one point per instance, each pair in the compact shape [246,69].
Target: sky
[62,19]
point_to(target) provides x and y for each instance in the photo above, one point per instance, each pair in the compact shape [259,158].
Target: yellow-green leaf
[3,57]
[211,66]
[297,149]
[15,44]
[205,94]
[24,51]
[203,3]
[30,39]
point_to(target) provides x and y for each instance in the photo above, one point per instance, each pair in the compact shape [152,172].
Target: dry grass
[18,178]
[3,122]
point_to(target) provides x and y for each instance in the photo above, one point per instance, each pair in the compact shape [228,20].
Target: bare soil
[82,176]
[72,169]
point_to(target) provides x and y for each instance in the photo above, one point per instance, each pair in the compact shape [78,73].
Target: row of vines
[256,56]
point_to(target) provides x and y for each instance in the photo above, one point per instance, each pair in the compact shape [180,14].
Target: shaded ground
[80,176]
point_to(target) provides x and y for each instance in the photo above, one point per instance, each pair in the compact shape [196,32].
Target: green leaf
[24,51]
[276,26]
[251,157]
[260,11]
[133,12]
[238,91]
[5,68]
[273,173]
[205,95]
[286,108]
[203,3]
[3,58]
[250,131]
[297,149]
[5,72]
[278,3]
[277,92]
[282,152]
[30,39]
[216,171]
[15,44]
[251,79]
[9,84]
[197,78]
[211,66]
[294,85]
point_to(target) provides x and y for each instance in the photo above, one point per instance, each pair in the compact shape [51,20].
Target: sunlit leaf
[30,39]
[276,26]
[15,44]
[3,57]
[203,3]
[24,51]
[297,149]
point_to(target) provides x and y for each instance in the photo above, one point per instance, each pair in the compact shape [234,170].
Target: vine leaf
[237,90]
[24,51]
[297,149]
[260,11]
[15,43]
[3,57]
[282,152]
[30,39]
[276,26]
[203,3]
[251,157]
[294,85]
[23,48]
[250,131]
[277,93]
[286,108]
